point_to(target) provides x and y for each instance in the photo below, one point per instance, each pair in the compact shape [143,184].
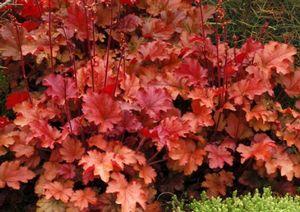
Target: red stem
[124,65]
[202,21]
[93,31]
[117,77]
[88,42]
[154,156]
[50,36]
[234,49]
[218,59]
[72,56]
[155,162]
[226,60]
[204,37]
[22,61]
[94,40]
[141,144]
[108,47]
[67,108]
[225,77]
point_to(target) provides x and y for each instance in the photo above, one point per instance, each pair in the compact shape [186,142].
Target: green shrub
[248,203]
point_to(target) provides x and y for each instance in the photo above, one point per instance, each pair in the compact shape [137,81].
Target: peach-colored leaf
[129,194]
[216,183]
[12,174]
[278,56]
[148,174]
[59,191]
[71,150]
[187,155]
[101,162]
[262,148]
[237,127]
[292,83]
[82,198]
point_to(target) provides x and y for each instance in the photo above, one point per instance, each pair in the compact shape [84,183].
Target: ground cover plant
[115,104]
[257,202]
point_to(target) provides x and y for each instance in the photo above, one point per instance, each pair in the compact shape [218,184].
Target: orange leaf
[148,174]
[216,183]
[71,150]
[292,83]
[247,88]
[128,194]
[237,128]
[11,173]
[278,56]
[102,163]
[261,148]
[187,155]
[218,156]
[82,198]
[59,191]
[192,70]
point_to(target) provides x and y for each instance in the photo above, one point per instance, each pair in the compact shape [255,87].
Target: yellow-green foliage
[266,202]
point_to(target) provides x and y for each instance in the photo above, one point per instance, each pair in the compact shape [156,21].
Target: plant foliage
[256,202]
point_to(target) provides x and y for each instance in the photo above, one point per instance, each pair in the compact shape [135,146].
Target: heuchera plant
[138,96]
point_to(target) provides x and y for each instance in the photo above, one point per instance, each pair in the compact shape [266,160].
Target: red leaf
[75,22]
[170,128]
[157,29]
[155,50]
[30,25]
[200,117]
[154,100]
[148,174]
[146,133]
[67,171]
[60,88]
[16,98]
[191,69]
[129,23]
[3,121]
[229,70]
[102,110]
[129,2]
[109,89]
[47,134]
[31,9]
[218,156]
[248,50]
